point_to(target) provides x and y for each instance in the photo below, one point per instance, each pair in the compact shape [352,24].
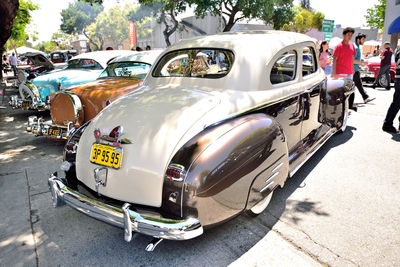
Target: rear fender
[225,162]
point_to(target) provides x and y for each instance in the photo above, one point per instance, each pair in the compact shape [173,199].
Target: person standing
[13,62]
[360,39]
[385,65]
[324,57]
[343,59]
[395,105]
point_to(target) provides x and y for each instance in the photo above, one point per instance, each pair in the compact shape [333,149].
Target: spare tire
[25,92]
[66,107]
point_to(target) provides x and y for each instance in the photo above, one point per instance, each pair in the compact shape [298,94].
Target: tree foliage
[274,12]
[376,15]
[304,20]
[46,47]
[109,25]
[78,16]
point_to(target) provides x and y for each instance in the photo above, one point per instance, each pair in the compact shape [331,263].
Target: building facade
[391,29]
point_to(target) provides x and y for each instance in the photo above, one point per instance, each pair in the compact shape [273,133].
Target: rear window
[84,64]
[135,70]
[199,63]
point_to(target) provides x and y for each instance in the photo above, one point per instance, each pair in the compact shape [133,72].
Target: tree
[46,47]
[22,20]
[166,12]
[304,20]
[376,15]
[305,4]
[64,40]
[274,12]
[109,25]
[8,11]
[78,16]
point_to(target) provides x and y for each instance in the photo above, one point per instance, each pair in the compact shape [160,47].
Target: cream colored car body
[166,112]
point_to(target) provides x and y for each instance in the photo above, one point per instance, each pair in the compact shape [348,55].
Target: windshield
[136,70]
[201,63]
[83,64]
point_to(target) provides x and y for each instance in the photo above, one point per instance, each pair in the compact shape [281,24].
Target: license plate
[55,132]
[106,155]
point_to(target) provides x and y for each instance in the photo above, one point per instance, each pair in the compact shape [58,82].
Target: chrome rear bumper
[39,127]
[124,217]
[17,103]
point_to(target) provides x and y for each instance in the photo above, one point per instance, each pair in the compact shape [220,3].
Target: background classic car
[192,148]
[370,72]
[72,107]
[80,69]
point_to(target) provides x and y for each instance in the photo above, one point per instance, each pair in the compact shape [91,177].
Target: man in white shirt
[13,62]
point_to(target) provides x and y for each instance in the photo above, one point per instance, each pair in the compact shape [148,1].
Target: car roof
[245,40]
[103,57]
[148,57]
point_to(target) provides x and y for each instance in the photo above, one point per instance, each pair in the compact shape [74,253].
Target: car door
[310,99]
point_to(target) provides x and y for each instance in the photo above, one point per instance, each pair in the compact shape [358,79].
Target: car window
[309,64]
[84,64]
[284,68]
[200,63]
[136,70]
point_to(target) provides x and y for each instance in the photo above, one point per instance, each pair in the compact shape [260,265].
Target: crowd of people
[346,61]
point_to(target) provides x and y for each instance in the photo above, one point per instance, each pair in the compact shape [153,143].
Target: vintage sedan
[370,72]
[73,107]
[80,69]
[191,149]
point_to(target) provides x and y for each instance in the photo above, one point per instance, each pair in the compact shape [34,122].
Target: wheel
[25,92]
[260,206]
[383,82]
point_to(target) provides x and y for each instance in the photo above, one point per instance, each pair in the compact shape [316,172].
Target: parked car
[73,107]
[38,65]
[192,148]
[80,69]
[370,72]
[62,56]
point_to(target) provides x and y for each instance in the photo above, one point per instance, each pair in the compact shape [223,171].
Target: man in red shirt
[343,59]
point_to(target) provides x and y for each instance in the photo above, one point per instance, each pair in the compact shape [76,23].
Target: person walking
[385,65]
[395,105]
[324,57]
[13,62]
[343,59]
[360,39]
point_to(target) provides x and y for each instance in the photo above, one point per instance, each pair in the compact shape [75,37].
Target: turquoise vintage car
[80,69]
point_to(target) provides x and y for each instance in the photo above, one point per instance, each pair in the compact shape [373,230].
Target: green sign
[327,25]
[328,36]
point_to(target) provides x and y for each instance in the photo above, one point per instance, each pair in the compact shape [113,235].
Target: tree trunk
[8,11]
[169,31]
[231,21]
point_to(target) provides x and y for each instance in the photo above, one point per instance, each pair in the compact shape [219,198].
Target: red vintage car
[370,72]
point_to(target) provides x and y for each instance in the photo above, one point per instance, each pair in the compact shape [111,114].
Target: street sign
[327,25]
[328,36]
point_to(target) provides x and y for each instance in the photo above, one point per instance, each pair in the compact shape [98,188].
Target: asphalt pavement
[340,209]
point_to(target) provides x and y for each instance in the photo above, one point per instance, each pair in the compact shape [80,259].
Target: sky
[47,19]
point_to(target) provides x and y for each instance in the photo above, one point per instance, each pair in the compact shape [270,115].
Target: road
[340,209]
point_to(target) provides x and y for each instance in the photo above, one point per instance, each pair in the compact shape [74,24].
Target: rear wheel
[383,82]
[260,206]
[25,92]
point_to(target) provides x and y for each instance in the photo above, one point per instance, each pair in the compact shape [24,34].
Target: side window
[284,68]
[309,64]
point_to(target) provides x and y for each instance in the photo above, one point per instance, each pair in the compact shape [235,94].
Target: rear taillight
[175,172]
[116,132]
[47,102]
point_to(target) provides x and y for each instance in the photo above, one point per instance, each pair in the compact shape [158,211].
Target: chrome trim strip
[123,217]
[265,187]
[277,167]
